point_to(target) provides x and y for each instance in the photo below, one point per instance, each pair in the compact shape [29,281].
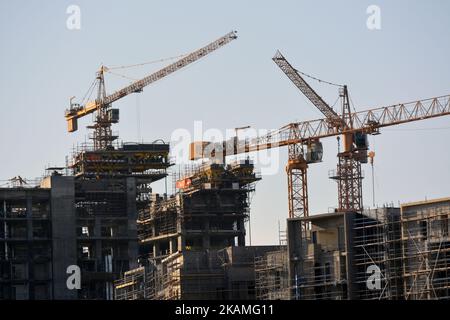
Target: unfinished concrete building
[111,188]
[215,274]
[181,236]
[386,253]
[87,219]
[336,258]
[208,212]
[271,275]
[37,239]
[425,251]
[25,244]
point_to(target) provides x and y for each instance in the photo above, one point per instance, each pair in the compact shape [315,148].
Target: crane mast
[297,166]
[348,174]
[105,116]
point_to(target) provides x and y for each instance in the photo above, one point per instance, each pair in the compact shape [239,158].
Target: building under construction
[111,188]
[192,243]
[387,253]
[86,219]
[26,244]
[215,274]
[130,243]
[210,211]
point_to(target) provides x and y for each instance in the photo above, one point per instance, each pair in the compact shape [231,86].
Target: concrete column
[295,256]
[170,246]
[181,243]
[206,234]
[173,245]
[349,221]
[5,230]
[241,237]
[156,251]
[133,248]
[30,270]
[29,217]
[181,240]
[63,234]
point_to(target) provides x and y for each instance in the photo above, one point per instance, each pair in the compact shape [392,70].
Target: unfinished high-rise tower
[209,211]
[112,187]
[181,237]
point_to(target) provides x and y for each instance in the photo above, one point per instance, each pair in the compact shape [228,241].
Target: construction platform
[141,160]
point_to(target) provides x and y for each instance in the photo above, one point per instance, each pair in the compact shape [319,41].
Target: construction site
[99,213]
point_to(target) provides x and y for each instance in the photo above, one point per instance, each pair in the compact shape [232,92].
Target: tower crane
[352,126]
[348,174]
[105,116]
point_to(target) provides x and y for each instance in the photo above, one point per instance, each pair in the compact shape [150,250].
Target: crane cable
[108,69]
[145,63]
[88,94]
[323,81]
[352,105]
[119,75]
[319,80]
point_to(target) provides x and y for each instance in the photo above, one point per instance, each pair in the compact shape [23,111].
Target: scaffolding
[410,249]
[378,251]
[271,276]
[398,254]
[112,191]
[160,219]
[322,276]
[209,210]
[134,285]
[426,247]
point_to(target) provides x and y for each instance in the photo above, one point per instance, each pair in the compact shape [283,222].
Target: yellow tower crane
[106,116]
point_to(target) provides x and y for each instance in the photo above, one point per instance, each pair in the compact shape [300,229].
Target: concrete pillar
[156,250]
[170,246]
[349,221]
[173,245]
[181,243]
[206,240]
[29,215]
[97,254]
[295,256]
[181,239]
[133,248]
[63,234]
[241,236]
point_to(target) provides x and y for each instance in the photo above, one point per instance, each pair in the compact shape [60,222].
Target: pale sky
[43,63]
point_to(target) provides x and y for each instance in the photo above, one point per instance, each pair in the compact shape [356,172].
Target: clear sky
[43,63]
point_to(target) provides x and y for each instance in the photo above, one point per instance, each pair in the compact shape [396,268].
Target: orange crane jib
[368,121]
